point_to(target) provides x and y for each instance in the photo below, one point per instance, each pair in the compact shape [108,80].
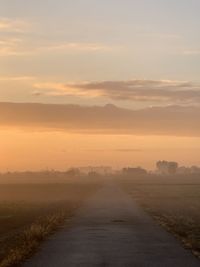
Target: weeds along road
[111,230]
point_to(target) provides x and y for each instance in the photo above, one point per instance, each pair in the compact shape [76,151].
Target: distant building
[101,170]
[73,172]
[134,171]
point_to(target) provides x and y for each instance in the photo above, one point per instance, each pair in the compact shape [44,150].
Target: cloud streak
[15,41]
[13,25]
[20,47]
[71,46]
[120,150]
[16,78]
[165,91]
[173,120]
[13,47]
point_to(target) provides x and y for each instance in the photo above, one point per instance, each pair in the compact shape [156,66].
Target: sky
[121,56]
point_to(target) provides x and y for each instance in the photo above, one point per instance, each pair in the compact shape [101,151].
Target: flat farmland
[30,212]
[173,201]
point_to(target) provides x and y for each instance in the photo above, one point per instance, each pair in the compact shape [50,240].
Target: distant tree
[195,169]
[93,174]
[73,172]
[184,170]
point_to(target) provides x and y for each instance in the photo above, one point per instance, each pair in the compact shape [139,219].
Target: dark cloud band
[172,120]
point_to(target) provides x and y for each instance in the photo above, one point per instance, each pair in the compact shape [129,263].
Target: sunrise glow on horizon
[118,83]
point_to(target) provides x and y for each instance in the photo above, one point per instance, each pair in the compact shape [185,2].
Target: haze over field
[99,83]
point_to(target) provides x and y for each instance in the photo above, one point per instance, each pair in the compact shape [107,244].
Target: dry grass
[29,239]
[29,213]
[187,230]
[174,202]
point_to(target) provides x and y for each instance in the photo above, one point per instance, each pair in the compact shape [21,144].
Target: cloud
[13,25]
[59,89]
[16,78]
[165,91]
[20,47]
[172,120]
[121,150]
[12,47]
[191,52]
[12,37]
[127,150]
[70,46]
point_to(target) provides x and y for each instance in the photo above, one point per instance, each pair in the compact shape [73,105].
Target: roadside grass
[173,202]
[29,213]
[28,241]
[187,230]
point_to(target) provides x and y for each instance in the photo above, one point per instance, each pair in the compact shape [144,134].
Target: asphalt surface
[111,230]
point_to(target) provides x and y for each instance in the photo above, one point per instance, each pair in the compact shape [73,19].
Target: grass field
[30,212]
[174,202]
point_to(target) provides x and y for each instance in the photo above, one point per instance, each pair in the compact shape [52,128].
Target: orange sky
[94,70]
[26,150]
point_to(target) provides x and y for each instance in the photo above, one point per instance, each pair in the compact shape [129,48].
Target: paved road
[111,230]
